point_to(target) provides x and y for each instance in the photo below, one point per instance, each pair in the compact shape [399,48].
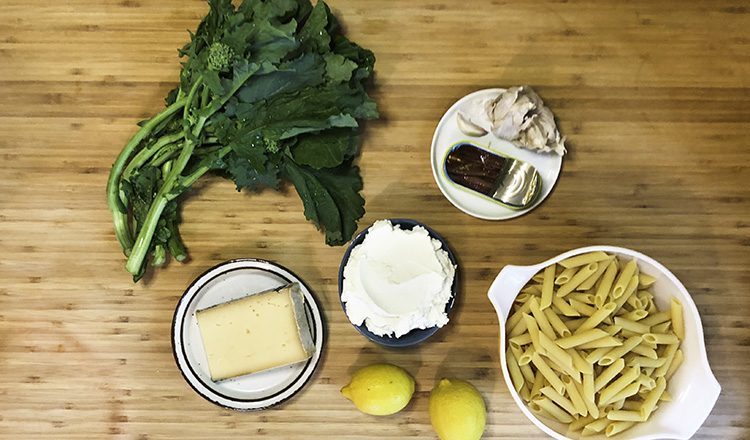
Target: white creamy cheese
[397,280]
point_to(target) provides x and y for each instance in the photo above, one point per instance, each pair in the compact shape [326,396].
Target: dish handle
[704,393]
[507,285]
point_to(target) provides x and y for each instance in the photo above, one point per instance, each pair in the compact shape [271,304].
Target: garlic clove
[468,127]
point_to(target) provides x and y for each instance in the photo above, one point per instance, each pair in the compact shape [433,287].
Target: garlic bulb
[517,115]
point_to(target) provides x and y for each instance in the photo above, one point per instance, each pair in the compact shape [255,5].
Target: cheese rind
[256,333]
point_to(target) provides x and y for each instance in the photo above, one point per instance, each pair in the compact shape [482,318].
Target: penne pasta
[520,340]
[652,398]
[565,276]
[579,277]
[591,281]
[552,409]
[619,352]
[525,357]
[528,374]
[668,357]
[627,377]
[608,374]
[595,427]
[596,318]
[615,428]
[588,347]
[623,279]
[678,325]
[564,307]
[625,415]
[548,287]
[581,338]
[580,260]
[661,338]
[602,292]
[676,362]
[581,307]
[557,323]
[554,352]
[541,319]
[575,396]
[645,280]
[559,399]
[633,326]
[547,372]
[515,371]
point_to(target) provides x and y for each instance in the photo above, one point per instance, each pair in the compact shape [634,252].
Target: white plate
[448,134]
[225,282]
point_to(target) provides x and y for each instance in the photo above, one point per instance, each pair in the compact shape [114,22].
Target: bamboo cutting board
[654,97]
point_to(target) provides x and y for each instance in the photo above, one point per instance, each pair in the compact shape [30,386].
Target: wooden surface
[654,97]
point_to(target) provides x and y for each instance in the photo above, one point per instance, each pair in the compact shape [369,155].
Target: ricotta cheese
[397,280]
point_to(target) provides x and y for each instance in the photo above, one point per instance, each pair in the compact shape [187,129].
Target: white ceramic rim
[184,316]
[688,425]
[448,134]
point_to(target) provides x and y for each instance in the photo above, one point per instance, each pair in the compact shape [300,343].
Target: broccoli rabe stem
[116,206]
[174,183]
[143,156]
[167,191]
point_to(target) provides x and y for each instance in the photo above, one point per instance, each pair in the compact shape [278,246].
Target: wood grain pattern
[654,97]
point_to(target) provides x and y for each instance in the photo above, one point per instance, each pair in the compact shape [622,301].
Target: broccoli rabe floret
[220,56]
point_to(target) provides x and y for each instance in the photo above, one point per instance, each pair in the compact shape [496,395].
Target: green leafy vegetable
[269,91]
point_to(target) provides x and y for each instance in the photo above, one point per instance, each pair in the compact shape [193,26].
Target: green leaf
[338,67]
[331,198]
[245,175]
[327,149]
[314,35]
[291,76]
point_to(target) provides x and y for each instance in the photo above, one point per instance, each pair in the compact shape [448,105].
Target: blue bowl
[417,335]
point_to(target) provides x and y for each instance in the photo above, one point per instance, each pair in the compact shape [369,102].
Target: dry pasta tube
[625,416]
[579,277]
[668,356]
[595,427]
[565,276]
[591,281]
[597,317]
[548,287]
[615,428]
[557,323]
[602,292]
[564,307]
[580,260]
[628,376]
[541,319]
[619,352]
[608,374]
[581,338]
[575,396]
[577,425]
[514,370]
[554,410]
[547,372]
[676,362]
[559,399]
[623,279]
[649,403]
[586,389]
[678,325]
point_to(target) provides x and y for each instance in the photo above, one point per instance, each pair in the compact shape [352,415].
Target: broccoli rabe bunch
[269,91]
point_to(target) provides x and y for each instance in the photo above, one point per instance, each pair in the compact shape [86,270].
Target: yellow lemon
[379,389]
[457,410]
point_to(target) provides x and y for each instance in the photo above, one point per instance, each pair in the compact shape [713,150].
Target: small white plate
[225,282]
[448,134]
